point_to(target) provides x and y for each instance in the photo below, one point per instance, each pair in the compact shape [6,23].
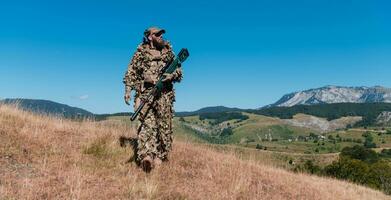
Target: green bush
[366,134]
[226,132]
[308,167]
[357,140]
[359,165]
[360,153]
[385,153]
[379,176]
[368,143]
[348,169]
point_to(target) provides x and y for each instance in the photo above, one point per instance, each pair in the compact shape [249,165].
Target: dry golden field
[45,157]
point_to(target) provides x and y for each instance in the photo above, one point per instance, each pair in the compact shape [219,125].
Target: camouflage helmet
[153,30]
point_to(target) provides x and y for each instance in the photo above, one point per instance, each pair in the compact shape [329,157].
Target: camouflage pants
[154,136]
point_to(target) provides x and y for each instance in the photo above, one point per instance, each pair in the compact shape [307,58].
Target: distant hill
[105,116]
[335,94]
[49,107]
[213,109]
[369,111]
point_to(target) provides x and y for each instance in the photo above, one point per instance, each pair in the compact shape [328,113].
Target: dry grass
[48,158]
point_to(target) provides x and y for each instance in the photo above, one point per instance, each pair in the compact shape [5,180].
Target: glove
[127,95]
[167,77]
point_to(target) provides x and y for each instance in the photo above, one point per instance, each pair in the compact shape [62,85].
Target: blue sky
[243,54]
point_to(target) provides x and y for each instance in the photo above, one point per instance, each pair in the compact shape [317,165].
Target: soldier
[154,134]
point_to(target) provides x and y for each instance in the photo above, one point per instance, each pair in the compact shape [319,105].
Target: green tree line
[369,111]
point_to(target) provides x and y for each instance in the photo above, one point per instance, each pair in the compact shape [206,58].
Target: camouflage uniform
[154,135]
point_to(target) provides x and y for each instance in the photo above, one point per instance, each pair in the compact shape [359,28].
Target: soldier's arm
[177,75]
[131,77]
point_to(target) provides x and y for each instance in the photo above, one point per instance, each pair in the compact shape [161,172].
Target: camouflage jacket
[147,63]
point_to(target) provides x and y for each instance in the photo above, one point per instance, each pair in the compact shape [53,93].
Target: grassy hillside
[273,134]
[268,133]
[49,158]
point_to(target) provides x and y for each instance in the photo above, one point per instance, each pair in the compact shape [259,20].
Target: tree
[348,169]
[368,143]
[226,132]
[310,167]
[360,153]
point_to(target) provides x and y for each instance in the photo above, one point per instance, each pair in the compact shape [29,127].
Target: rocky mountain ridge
[335,94]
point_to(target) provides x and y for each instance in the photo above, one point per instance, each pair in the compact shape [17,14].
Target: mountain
[335,94]
[49,107]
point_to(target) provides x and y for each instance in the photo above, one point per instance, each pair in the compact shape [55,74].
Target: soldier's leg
[165,114]
[147,142]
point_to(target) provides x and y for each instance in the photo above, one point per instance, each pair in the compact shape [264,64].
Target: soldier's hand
[127,95]
[167,77]
[127,98]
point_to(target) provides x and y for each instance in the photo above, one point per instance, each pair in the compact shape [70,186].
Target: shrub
[368,143]
[226,132]
[348,169]
[313,136]
[366,134]
[379,176]
[357,140]
[385,153]
[360,153]
[308,167]
[363,166]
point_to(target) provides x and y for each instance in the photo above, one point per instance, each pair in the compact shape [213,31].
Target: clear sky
[244,54]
